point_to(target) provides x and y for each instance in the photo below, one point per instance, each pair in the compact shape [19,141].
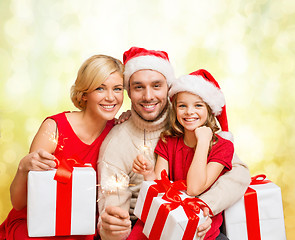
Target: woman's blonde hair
[93,72]
[177,130]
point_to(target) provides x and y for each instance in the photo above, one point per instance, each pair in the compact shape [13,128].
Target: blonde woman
[98,94]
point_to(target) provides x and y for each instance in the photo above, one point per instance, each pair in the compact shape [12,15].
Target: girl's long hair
[177,130]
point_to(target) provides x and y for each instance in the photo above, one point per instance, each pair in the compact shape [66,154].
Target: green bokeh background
[247,45]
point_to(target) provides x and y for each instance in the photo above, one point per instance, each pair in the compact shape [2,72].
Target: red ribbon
[191,208]
[63,176]
[251,208]
[259,179]
[161,186]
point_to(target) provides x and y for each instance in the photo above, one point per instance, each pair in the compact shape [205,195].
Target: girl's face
[191,111]
[107,99]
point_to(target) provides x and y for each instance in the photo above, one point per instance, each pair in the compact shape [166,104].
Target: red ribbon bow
[259,179]
[63,177]
[251,208]
[161,186]
[191,208]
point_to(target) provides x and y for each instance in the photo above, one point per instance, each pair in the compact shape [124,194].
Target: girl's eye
[99,88]
[181,106]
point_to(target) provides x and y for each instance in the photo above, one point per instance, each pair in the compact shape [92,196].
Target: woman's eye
[118,89]
[99,88]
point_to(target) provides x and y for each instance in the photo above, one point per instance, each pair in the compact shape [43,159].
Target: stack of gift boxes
[257,216]
[58,202]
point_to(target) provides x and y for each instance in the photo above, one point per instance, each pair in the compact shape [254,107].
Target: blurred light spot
[7,128]
[50,95]
[9,156]
[237,59]
[249,145]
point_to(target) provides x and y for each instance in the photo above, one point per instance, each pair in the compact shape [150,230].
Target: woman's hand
[39,160]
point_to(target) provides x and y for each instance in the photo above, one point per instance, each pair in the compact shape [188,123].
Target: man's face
[148,94]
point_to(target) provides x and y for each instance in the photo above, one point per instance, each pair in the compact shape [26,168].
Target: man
[148,75]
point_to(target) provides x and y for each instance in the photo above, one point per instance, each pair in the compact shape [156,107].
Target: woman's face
[191,111]
[107,99]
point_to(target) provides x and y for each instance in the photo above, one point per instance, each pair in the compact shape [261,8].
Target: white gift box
[42,195]
[270,212]
[176,221]
[141,199]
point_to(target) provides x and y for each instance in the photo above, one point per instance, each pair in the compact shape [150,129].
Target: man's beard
[156,118]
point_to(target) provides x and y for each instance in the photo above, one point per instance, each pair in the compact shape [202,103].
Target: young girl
[190,149]
[98,93]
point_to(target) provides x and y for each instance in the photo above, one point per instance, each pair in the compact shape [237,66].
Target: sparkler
[145,147]
[119,181]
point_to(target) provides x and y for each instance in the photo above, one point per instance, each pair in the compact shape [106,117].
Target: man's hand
[115,224]
[204,227]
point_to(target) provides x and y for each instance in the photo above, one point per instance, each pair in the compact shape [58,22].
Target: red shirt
[70,146]
[180,156]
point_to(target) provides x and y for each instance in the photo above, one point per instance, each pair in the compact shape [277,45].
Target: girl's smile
[191,111]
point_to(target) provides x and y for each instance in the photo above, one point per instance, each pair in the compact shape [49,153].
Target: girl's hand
[39,160]
[123,117]
[203,133]
[142,165]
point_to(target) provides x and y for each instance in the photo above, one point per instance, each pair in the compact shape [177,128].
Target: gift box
[151,189]
[174,217]
[148,190]
[258,215]
[64,205]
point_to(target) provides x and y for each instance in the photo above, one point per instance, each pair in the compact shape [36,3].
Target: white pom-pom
[226,135]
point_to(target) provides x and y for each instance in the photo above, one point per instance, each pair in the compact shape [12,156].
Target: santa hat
[136,59]
[203,84]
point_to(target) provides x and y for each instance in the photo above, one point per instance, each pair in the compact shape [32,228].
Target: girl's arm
[39,158]
[162,164]
[200,174]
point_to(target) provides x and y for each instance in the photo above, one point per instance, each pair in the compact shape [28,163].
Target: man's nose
[148,94]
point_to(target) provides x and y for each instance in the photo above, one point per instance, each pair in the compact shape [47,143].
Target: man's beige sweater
[125,142]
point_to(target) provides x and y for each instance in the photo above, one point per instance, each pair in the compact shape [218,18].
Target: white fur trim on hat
[201,87]
[226,135]
[148,62]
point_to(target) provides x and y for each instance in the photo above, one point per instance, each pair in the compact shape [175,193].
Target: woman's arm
[39,158]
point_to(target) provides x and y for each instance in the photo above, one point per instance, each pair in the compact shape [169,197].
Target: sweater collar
[150,126]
